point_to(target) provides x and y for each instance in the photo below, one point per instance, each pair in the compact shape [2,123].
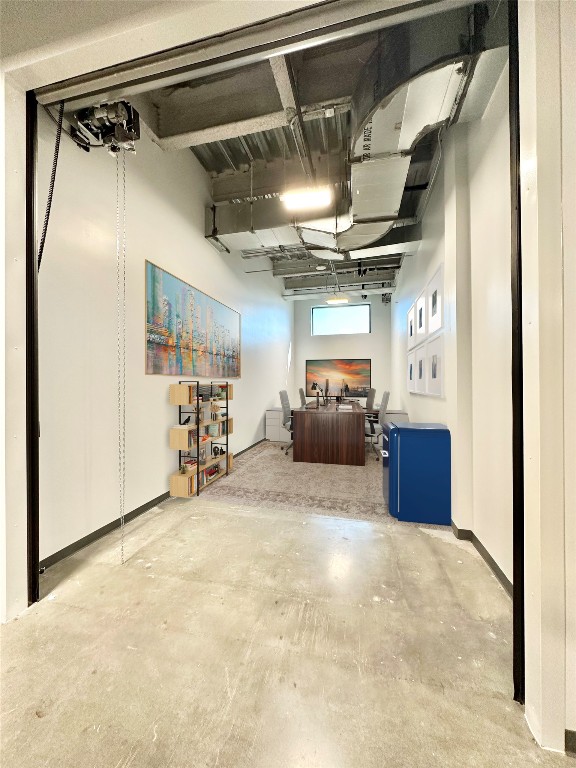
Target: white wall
[166,198]
[443,244]
[374,345]
[489,185]
[466,228]
[547,49]
[55,60]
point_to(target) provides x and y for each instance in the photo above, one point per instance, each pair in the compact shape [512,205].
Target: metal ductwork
[412,86]
[409,86]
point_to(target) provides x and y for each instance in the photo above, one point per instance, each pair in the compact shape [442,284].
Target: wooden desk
[327,435]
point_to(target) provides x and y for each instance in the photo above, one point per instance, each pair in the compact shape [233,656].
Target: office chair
[302,396]
[370,399]
[373,426]
[286,417]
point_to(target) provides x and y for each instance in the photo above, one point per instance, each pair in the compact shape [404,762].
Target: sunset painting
[350,378]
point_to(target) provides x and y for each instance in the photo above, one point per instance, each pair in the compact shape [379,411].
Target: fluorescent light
[307,199]
[337,299]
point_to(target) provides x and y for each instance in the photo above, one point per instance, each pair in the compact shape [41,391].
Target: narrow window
[352,318]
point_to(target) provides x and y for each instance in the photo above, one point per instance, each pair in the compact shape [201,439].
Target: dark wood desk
[327,435]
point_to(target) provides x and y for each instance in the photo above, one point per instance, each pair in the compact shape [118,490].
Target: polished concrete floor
[243,637]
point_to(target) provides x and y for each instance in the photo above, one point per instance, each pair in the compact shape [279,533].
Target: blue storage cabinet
[417,477]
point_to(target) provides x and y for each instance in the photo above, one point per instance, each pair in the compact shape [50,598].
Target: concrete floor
[241,637]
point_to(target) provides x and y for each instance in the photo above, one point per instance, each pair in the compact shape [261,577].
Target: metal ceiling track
[327,22]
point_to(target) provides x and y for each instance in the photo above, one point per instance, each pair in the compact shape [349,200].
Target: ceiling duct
[409,86]
[378,151]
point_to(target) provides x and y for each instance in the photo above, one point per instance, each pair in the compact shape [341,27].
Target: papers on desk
[344,407]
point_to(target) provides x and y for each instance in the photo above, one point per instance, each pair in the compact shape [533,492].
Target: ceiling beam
[321,294]
[306,267]
[319,280]
[286,86]
[224,132]
[279,66]
[251,125]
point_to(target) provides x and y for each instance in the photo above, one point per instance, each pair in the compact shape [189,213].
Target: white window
[350,318]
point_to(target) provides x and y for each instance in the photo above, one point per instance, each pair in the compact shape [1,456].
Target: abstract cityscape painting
[187,332]
[339,377]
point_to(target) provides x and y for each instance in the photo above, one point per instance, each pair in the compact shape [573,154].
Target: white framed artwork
[435,302]
[435,366]
[421,324]
[420,369]
[411,372]
[411,326]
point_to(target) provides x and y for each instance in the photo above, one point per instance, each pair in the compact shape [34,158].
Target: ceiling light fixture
[337,299]
[307,199]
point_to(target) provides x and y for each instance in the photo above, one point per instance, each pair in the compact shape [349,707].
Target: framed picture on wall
[421,318]
[411,372]
[188,333]
[435,366]
[420,369]
[435,302]
[411,326]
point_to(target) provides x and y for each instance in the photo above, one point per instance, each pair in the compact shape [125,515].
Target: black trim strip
[518,555]
[249,447]
[467,535]
[101,532]
[32,398]
[570,742]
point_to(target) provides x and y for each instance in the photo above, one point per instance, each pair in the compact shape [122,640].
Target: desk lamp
[318,389]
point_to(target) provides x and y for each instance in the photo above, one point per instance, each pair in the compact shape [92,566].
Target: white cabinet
[275,432]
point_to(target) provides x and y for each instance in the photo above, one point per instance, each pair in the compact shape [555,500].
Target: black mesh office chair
[373,425]
[286,417]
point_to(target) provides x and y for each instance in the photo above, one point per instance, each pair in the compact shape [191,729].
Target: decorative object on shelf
[188,332]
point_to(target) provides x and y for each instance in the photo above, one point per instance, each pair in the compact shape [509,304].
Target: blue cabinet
[416,467]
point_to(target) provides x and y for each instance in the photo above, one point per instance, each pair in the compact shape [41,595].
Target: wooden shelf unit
[195,403]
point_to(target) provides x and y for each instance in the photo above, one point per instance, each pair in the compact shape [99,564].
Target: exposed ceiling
[363,113]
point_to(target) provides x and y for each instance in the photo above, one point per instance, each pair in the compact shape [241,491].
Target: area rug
[264,476]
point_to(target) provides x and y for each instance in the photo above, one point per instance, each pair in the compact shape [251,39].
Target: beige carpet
[265,477]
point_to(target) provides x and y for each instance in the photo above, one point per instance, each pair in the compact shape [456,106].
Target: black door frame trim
[32,389]
[518,628]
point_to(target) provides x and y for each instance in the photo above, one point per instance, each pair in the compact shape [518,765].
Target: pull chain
[121,335]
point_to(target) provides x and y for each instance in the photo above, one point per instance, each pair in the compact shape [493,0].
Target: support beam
[287,90]
[318,280]
[224,132]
